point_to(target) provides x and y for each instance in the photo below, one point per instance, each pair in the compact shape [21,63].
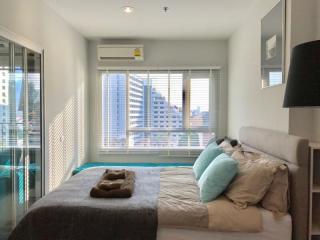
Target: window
[158,109]
[275,78]
[271,76]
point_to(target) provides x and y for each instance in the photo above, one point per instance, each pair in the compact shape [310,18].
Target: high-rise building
[137,109]
[152,120]
[114,110]
[164,116]
[4,101]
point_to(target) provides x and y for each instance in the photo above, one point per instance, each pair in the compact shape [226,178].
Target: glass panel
[34,126]
[139,140]
[159,99]
[6,153]
[176,99]
[20,166]
[200,139]
[159,139]
[199,99]
[17,133]
[158,102]
[178,140]
[138,93]
[114,110]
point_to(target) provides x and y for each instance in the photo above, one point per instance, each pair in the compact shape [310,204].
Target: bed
[294,152]
[273,230]
[155,212]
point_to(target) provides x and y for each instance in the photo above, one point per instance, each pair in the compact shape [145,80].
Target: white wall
[162,53]
[65,77]
[248,104]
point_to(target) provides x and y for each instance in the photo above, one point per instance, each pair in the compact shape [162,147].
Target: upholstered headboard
[294,151]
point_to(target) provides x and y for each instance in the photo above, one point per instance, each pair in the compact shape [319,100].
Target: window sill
[188,152]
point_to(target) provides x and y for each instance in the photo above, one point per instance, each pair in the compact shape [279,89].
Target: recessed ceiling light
[127,9]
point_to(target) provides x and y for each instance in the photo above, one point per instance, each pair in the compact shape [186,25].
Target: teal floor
[114,164]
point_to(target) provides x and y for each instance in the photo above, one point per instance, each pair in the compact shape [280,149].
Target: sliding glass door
[20,133]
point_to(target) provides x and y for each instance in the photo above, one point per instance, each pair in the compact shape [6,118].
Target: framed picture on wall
[272,46]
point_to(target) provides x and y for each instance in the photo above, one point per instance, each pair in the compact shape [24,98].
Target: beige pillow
[252,182]
[243,156]
[277,198]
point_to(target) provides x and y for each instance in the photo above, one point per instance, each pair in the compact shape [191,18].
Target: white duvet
[273,229]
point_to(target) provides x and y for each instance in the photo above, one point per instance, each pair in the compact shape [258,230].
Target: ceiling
[185,19]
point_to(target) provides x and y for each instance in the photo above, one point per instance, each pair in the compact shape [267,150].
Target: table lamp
[303,84]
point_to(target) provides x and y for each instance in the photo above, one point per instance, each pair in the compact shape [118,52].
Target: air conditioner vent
[120,52]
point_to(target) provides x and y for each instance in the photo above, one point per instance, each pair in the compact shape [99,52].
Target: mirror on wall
[272,46]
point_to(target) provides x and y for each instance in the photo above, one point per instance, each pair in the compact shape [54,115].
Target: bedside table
[314,207]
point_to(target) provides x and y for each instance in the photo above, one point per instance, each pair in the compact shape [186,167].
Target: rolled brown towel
[110,184]
[125,191]
[114,174]
[115,193]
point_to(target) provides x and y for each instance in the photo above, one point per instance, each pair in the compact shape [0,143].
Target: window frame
[214,95]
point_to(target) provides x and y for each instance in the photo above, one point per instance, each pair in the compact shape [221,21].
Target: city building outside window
[130,103]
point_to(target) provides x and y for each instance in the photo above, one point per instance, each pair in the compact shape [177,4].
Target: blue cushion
[205,158]
[217,177]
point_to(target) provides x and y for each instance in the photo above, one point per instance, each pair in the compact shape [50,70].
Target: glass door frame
[29,149]
[29,45]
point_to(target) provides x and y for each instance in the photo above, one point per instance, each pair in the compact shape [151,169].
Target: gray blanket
[69,213]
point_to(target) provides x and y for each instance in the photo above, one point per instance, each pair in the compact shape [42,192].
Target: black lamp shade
[303,84]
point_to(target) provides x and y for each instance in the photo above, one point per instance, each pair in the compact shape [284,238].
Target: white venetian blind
[158,110]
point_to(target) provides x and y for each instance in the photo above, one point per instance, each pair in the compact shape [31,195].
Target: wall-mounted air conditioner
[120,52]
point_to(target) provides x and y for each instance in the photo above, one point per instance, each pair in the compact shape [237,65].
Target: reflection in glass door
[20,133]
